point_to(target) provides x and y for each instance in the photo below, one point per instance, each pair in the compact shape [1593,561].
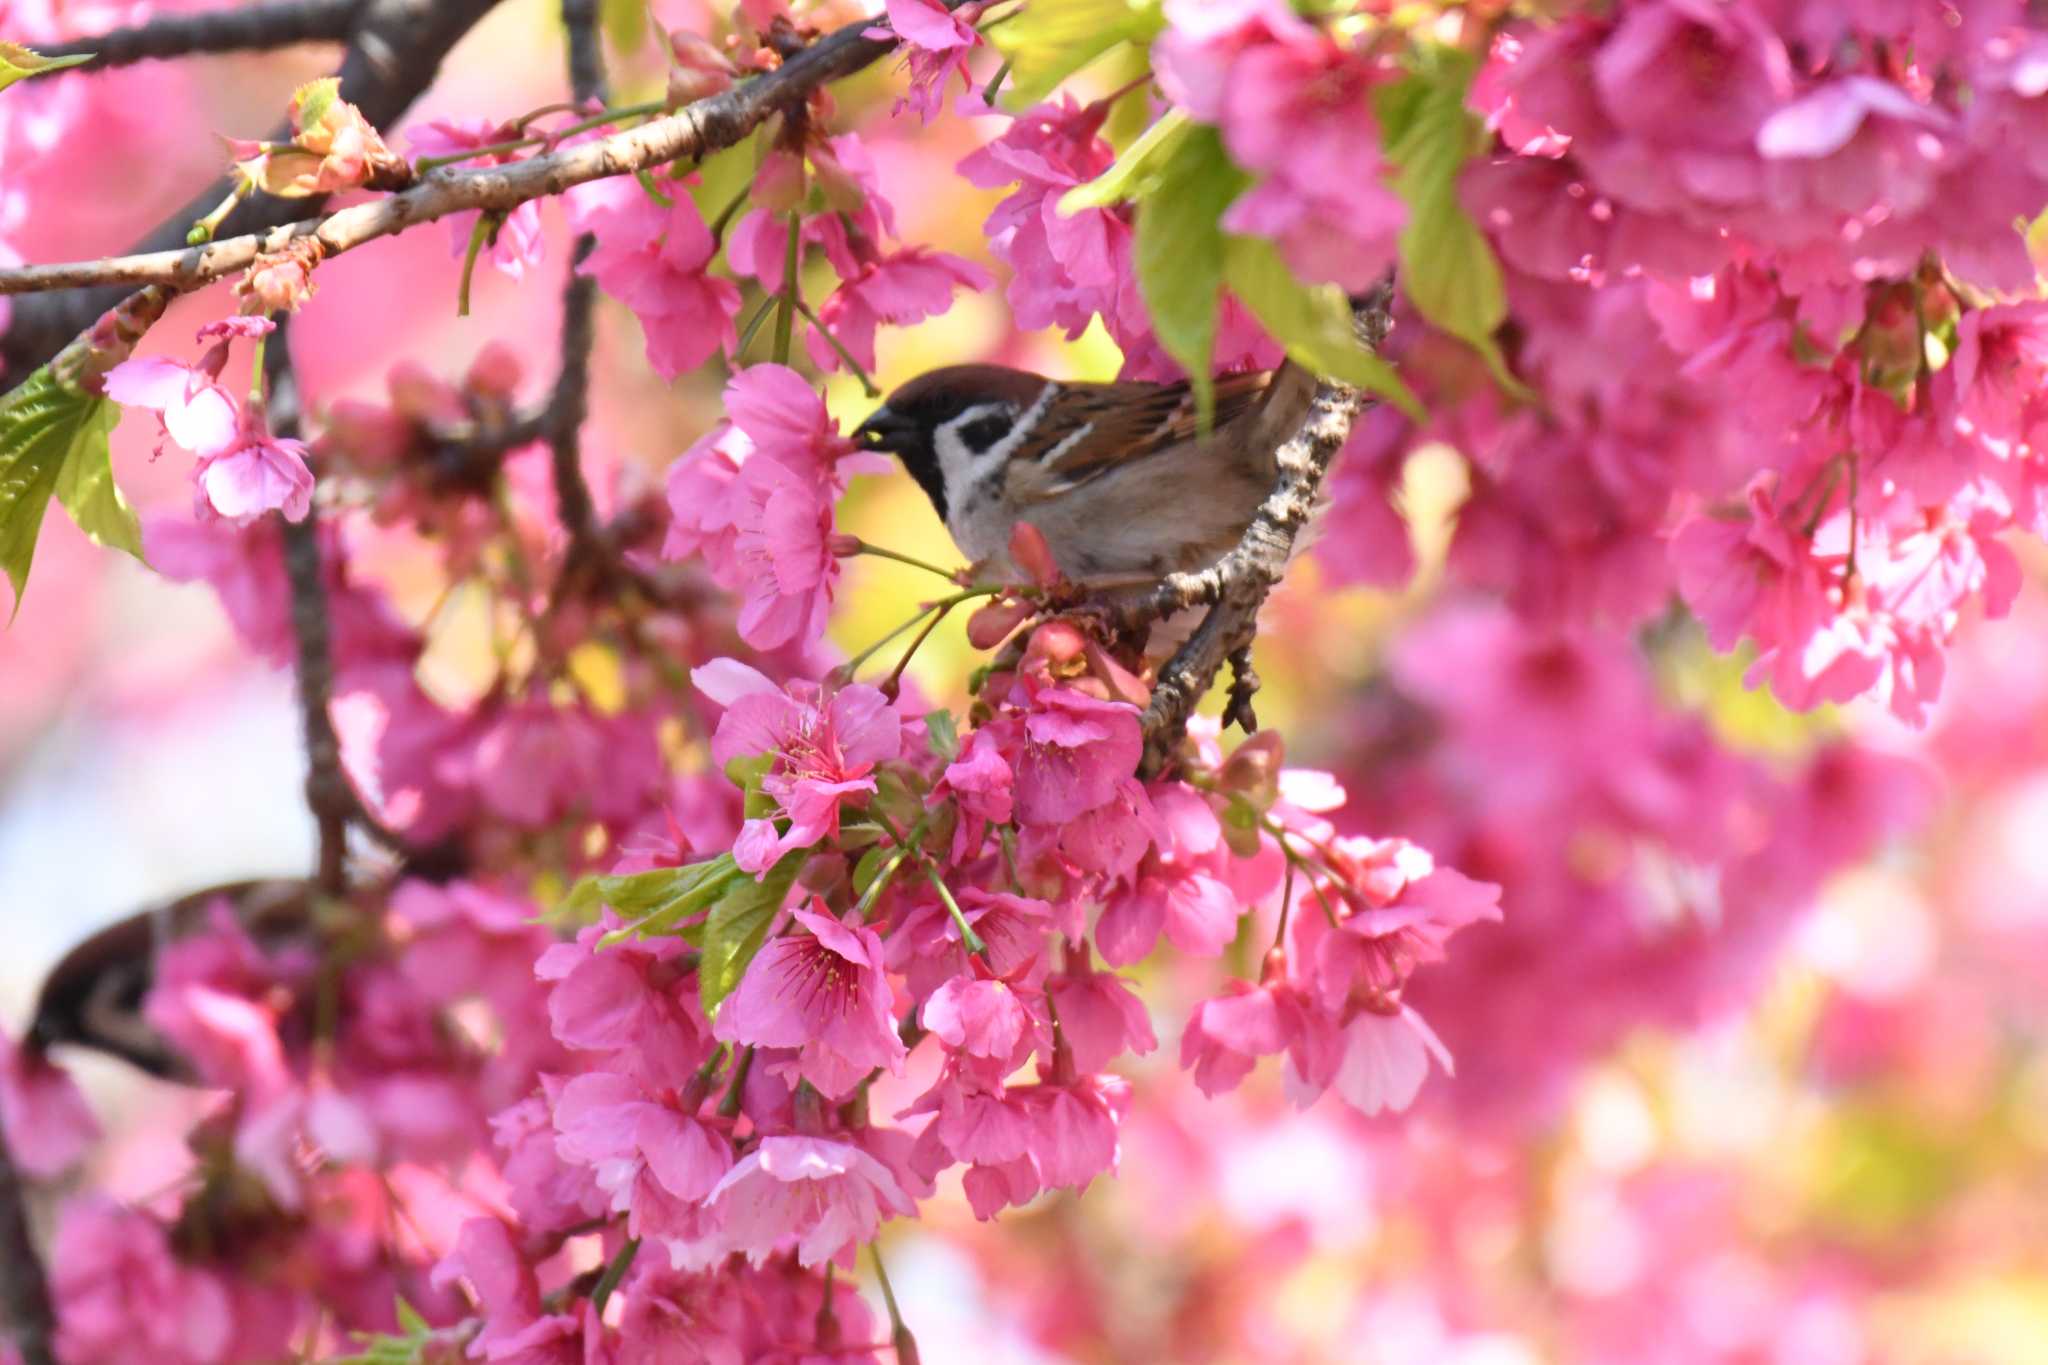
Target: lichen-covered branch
[394,53]
[1235,587]
[25,1313]
[697,130]
[245,28]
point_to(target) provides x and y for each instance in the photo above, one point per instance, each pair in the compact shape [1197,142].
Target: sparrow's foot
[1244,685]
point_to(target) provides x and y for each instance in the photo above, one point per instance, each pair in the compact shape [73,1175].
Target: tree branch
[24,1289]
[329,794]
[248,28]
[570,403]
[1235,587]
[707,126]
[395,51]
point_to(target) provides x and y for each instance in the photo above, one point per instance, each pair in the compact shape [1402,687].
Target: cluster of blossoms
[828,944]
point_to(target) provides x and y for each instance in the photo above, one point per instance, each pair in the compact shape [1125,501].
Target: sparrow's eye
[983,432]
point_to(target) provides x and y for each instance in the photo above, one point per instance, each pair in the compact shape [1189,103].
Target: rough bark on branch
[394,53]
[247,28]
[696,130]
[1235,587]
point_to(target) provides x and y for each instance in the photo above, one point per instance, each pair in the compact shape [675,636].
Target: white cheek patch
[968,471]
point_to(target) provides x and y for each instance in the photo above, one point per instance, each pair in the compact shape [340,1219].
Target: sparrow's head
[952,427]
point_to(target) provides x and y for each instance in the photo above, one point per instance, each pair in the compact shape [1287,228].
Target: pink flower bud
[495,372]
[699,70]
[991,625]
[1029,549]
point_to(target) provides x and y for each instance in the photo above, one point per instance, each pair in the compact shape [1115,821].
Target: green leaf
[53,443]
[1178,254]
[1049,40]
[1448,269]
[18,63]
[1136,173]
[943,734]
[738,925]
[1313,324]
[658,899]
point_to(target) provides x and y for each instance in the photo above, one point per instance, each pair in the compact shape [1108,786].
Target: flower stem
[969,940]
[486,228]
[202,231]
[879,552]
[866,383]
[598,120]
[785,312]
[613,1274]
[892,684]
[729,1107]
[899,1333]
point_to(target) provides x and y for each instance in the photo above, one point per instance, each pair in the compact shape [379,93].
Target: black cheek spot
[983,432]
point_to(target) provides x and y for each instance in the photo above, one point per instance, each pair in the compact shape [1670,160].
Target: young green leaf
[738,926]
[19,63]
[1313,324]
[658,899]
[943,734]
[1136,173]
[1448,269]
[53,443]
[1049,40]
[1178,255]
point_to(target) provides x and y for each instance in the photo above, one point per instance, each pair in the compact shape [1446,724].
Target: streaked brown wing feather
[1124,422]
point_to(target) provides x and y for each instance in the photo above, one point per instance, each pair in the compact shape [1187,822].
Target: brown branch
[1235,587]
[248,28]
[707,126]
[25,1310]
[328,794]
[570,403]
[395,51]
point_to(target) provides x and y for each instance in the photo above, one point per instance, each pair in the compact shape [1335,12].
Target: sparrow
[94,996]
[1117,477]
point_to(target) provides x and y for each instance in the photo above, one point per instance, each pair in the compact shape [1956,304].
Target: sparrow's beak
[886,430]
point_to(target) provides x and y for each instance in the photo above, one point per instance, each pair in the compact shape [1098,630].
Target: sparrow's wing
[1093,429]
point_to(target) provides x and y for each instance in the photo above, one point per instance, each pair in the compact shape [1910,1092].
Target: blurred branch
[24,1288]
[1235,587]
[248,28]
[395,51]
[569,405]
[329,795]
[699,129]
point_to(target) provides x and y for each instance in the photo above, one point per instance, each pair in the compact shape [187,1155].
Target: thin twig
[1235,587]
[569,405]
[249,28]
[328,794]
[24,1289]
[697,130]
[395,51]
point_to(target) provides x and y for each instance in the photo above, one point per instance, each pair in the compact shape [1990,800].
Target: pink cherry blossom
[517,245]
[1076,750]
[902,288]
[825,750]
[939,41]
[821,1196]
[655,260]
[821,990]
[1065,268]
